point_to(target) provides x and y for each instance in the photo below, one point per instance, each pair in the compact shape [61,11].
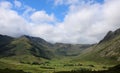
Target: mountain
[70,49]
[40,47]
[106,51]
[4,41]
[25,48]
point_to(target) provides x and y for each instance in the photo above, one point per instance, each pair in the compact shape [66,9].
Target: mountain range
[34,50]
[27,47]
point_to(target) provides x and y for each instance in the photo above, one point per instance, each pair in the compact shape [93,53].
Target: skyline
[66,21]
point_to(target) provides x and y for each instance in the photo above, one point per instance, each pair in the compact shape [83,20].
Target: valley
[35,55]
[52,66]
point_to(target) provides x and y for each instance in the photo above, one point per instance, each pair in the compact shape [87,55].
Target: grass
[115,69]
[50,66]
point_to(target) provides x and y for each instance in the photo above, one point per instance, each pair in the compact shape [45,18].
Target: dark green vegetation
[35,55]
[11,71]
[115,69]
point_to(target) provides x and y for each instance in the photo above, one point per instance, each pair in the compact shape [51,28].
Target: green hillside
[107,51]
[22,49]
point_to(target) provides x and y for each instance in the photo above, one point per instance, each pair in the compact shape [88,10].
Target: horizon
[70,21]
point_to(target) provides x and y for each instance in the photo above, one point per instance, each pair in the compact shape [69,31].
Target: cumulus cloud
[10,22]
[42,17]
[88,23]
[83,23]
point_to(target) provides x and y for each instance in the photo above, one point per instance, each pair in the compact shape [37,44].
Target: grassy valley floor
[51,66]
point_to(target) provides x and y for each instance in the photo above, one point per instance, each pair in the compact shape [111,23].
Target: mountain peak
[24,36]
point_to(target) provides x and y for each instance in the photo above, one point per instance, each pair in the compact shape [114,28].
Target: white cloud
[5,5]
[88,23]
[17,3]
[10,22]
[83,23]
[66,2]
[42,17]
[27,11]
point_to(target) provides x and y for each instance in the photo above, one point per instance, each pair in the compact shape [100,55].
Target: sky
[65,21]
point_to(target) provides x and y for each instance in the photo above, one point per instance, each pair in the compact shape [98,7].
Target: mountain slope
[4,41]
[24,49]
[69,49]
[108,50]
[111,35]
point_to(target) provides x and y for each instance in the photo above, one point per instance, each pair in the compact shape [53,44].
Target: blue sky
[47,5]
[66,21]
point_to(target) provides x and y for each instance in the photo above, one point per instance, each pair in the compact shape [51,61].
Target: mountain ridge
[110,35]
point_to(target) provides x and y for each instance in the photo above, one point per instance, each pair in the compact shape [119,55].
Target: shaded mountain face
[107,50]
[4,41]
[38,40]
